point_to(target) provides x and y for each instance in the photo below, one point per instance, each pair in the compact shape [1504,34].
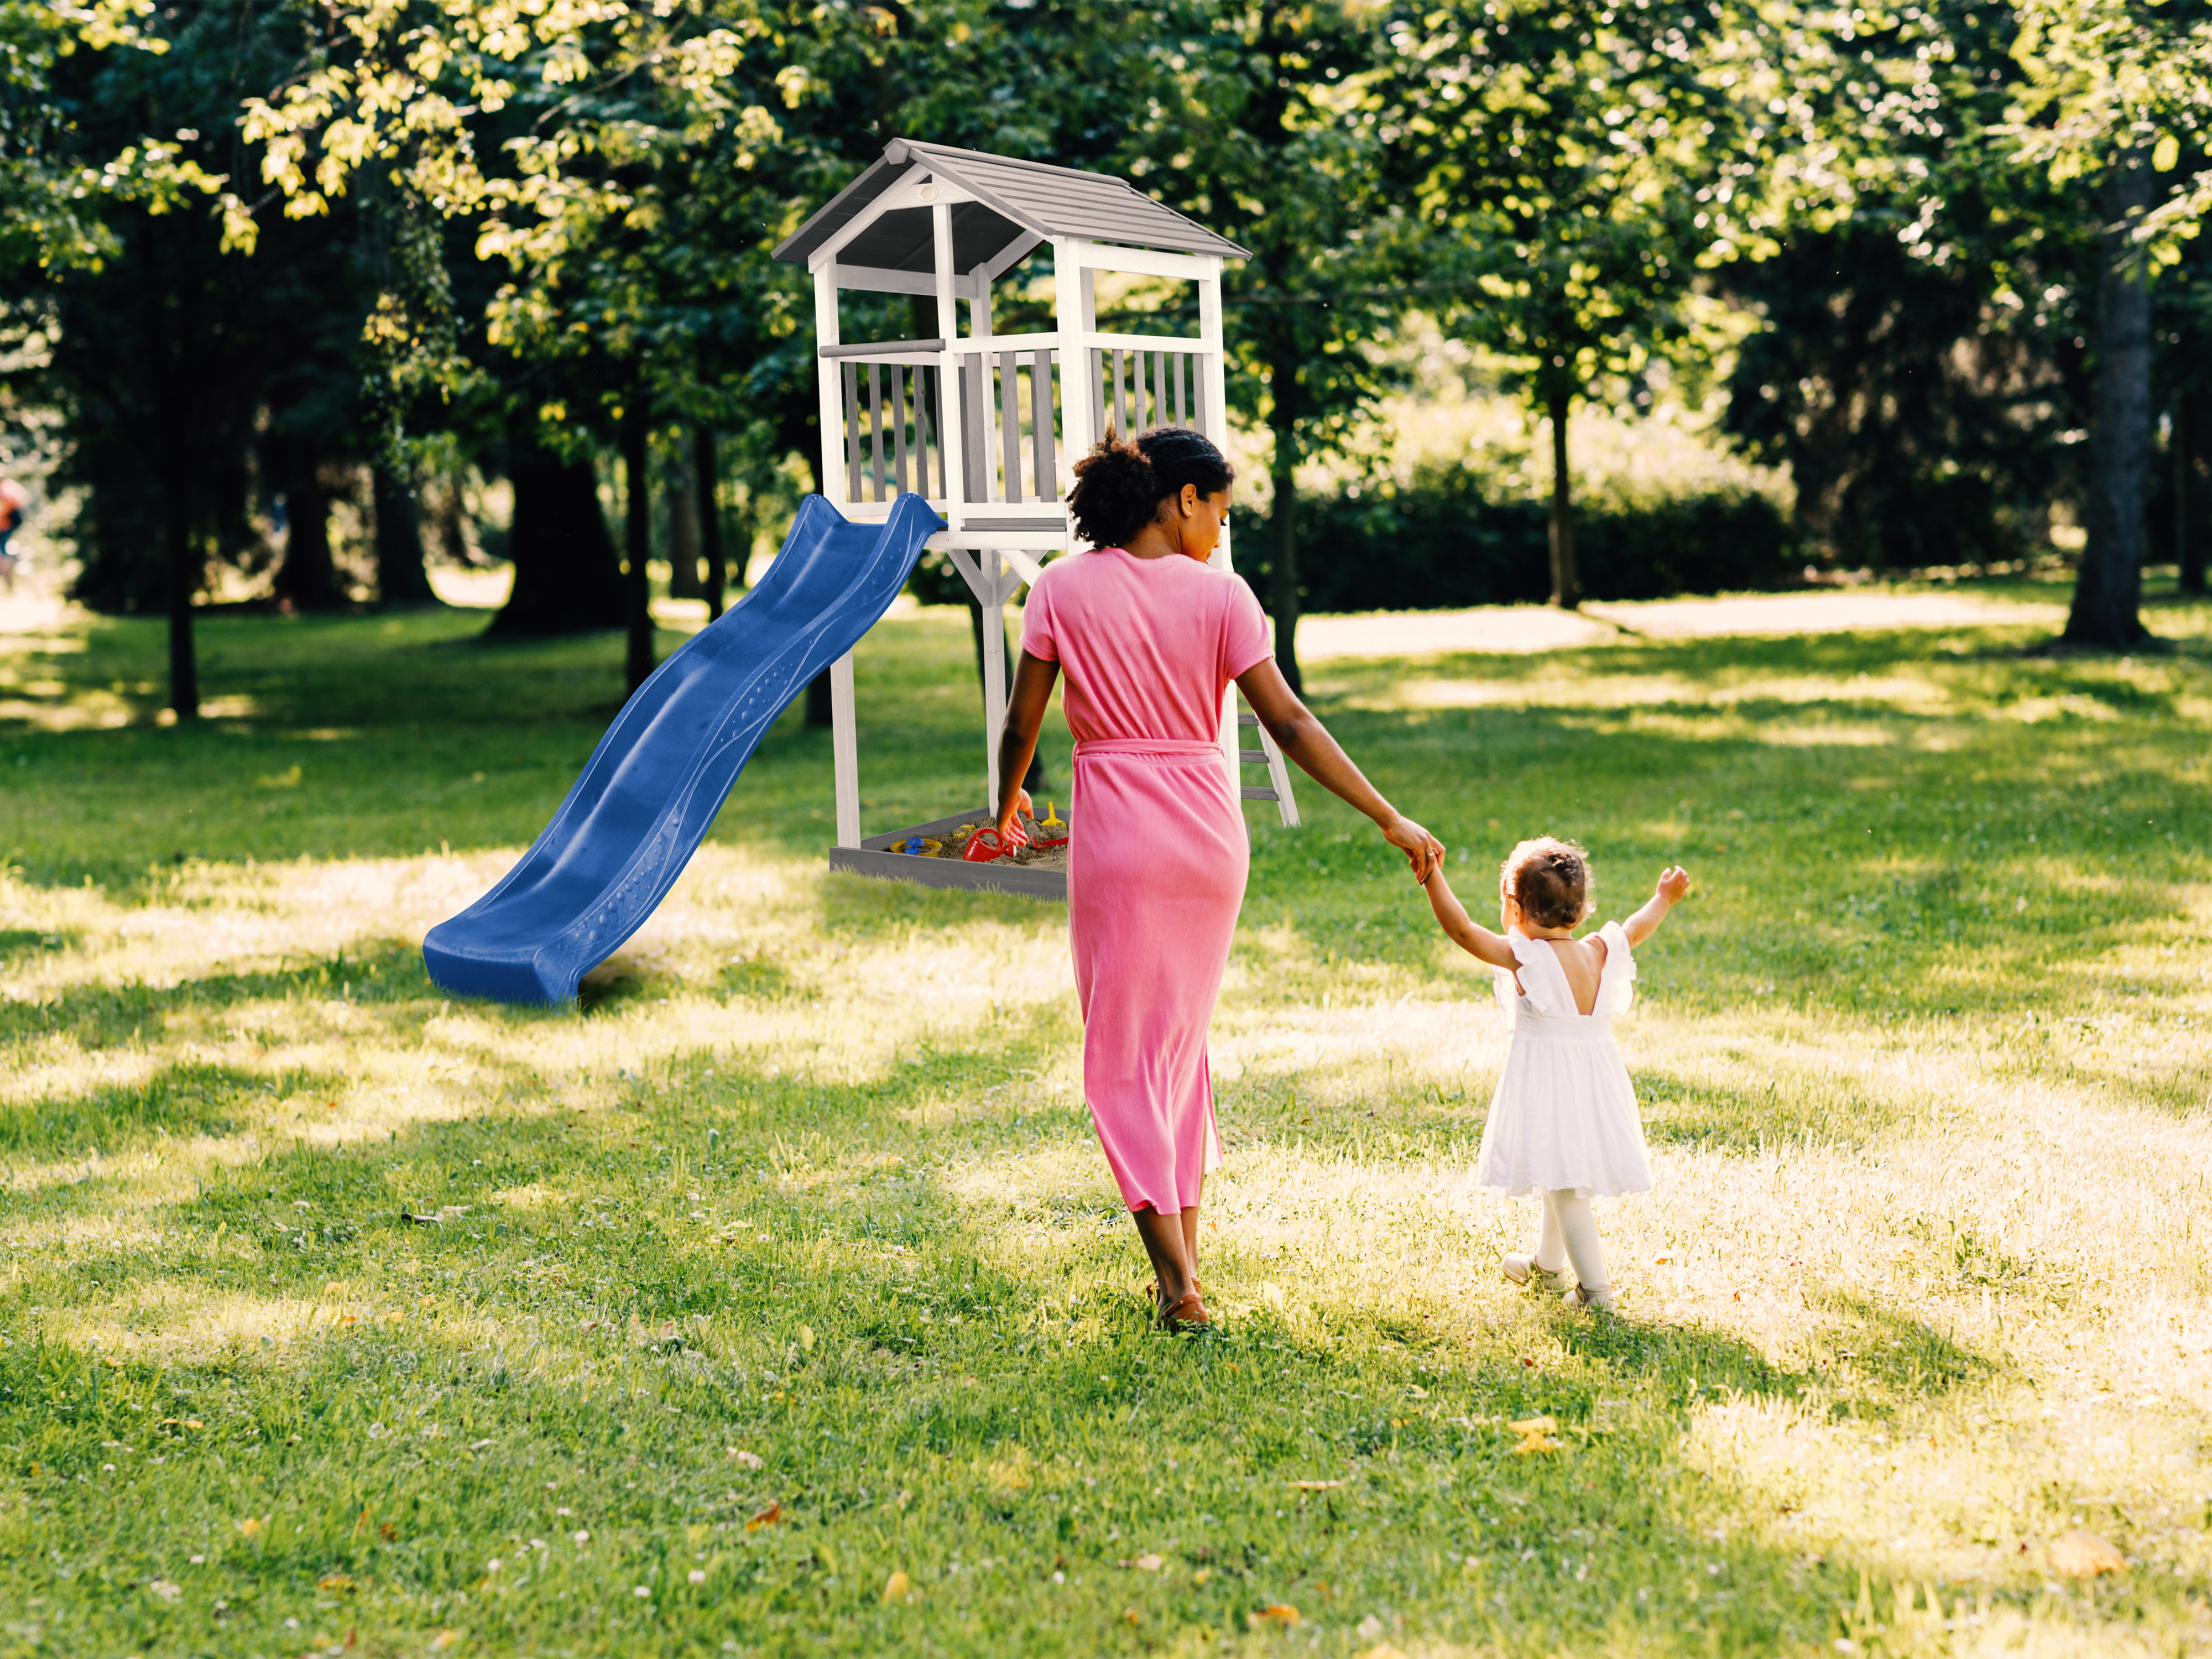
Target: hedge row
[1445,539]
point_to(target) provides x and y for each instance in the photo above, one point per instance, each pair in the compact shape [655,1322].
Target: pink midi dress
[1157,857]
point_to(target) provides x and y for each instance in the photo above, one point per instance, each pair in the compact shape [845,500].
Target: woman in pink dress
[1150,638]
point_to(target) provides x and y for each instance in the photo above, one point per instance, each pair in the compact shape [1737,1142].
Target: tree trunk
[400,578]
[683,497]
[566,578]
[185,574]
[1566,587]
[1283,519]
[2190,436]
[2108,592]
[637,539]
[308,580]
[706,474]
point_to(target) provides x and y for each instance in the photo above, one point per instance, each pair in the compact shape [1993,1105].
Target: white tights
[1570,1232]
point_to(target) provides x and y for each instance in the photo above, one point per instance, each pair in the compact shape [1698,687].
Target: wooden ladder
[1278,787]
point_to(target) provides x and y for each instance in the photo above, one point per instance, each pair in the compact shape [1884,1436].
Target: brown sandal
[1188,1313]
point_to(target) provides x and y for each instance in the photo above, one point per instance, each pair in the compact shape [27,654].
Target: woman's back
[1148,645]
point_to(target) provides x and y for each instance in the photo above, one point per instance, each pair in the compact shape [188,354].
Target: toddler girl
[1563,1123]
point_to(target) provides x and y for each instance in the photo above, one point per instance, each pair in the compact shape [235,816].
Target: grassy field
[778,1301]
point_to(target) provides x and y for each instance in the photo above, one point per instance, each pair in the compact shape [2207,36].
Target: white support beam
[1144,262]
[1070,287]
[845,750]
[994,676]
[949,435]
[829,377]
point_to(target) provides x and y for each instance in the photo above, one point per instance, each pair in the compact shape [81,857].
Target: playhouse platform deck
[873,857]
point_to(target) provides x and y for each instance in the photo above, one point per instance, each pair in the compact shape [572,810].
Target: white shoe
[1522,1268]
[1582,1297]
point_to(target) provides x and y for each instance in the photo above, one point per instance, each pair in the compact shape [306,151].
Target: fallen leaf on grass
[749,1459]
[1279,1613]
[1316,1485]
[251,1525]
[896,1586]
[444,1639]
[337,1581]
[1143,1563]
[2084,1555]
[767,1518]
[167,1589]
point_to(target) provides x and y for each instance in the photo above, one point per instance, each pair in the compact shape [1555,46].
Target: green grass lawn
[777,1300]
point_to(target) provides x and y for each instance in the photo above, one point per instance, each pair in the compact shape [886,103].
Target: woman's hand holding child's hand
[1423,851]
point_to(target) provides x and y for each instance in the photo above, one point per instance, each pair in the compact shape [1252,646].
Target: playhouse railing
[890,439]
[1012,410]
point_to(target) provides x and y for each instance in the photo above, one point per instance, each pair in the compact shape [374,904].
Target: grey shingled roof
[1014,199]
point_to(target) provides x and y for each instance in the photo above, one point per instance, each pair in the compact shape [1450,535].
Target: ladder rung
[1250,794]
[1252,756]
[1247,719]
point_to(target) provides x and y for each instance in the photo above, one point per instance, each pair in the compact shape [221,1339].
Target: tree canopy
[254,247]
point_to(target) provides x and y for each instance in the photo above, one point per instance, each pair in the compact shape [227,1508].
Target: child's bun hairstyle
[1549,879]
[1120,483]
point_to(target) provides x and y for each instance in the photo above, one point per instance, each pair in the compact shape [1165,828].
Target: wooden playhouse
[994,459]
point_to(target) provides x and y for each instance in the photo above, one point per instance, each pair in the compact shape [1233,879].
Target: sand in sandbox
[1031,857]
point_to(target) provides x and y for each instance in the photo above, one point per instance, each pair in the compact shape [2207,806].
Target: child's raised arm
[1471,936]
[1673,881]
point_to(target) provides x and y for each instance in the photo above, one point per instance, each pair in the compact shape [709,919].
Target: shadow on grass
[189,1099]
[102,1016]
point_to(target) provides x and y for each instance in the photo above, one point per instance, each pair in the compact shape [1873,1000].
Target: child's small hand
[1673,882]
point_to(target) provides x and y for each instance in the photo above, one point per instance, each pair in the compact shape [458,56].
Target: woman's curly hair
[1120,483]
[1550,879]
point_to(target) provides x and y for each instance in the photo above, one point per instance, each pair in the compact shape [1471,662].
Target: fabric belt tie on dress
[1164,748]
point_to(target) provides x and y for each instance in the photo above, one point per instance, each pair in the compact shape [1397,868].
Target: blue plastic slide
[658,777]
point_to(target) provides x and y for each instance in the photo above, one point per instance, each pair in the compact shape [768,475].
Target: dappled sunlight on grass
[797,1214]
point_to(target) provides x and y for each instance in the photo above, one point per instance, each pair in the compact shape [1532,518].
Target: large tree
[2117,93]
[1574,162]
[1262,121]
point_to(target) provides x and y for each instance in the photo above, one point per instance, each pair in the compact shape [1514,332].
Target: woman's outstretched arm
[1018,738]
[1306,740]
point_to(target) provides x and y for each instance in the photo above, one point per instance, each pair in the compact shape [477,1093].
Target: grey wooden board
[873,857]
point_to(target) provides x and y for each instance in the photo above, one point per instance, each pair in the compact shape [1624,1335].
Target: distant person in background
[14,500]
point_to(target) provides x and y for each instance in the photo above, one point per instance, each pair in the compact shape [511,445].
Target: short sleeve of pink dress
[1156,855]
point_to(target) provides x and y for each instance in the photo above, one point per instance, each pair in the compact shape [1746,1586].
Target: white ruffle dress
[1564,1113]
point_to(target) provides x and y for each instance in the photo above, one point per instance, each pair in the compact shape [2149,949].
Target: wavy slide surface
[658,776]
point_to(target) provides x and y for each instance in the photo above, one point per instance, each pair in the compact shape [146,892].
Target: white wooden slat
[1042,473]
[849,421]
[1009,426]
[876,426]
[898,423]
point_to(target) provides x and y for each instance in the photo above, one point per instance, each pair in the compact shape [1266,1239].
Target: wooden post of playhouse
[844,728]
[1213,398]
[952,439]
[994,642]
[1071,282]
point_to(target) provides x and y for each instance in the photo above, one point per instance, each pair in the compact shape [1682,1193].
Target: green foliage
[1449,536]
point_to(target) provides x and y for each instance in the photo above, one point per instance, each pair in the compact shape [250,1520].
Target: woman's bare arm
[1470,935]
[1306,740]
[1033,678]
